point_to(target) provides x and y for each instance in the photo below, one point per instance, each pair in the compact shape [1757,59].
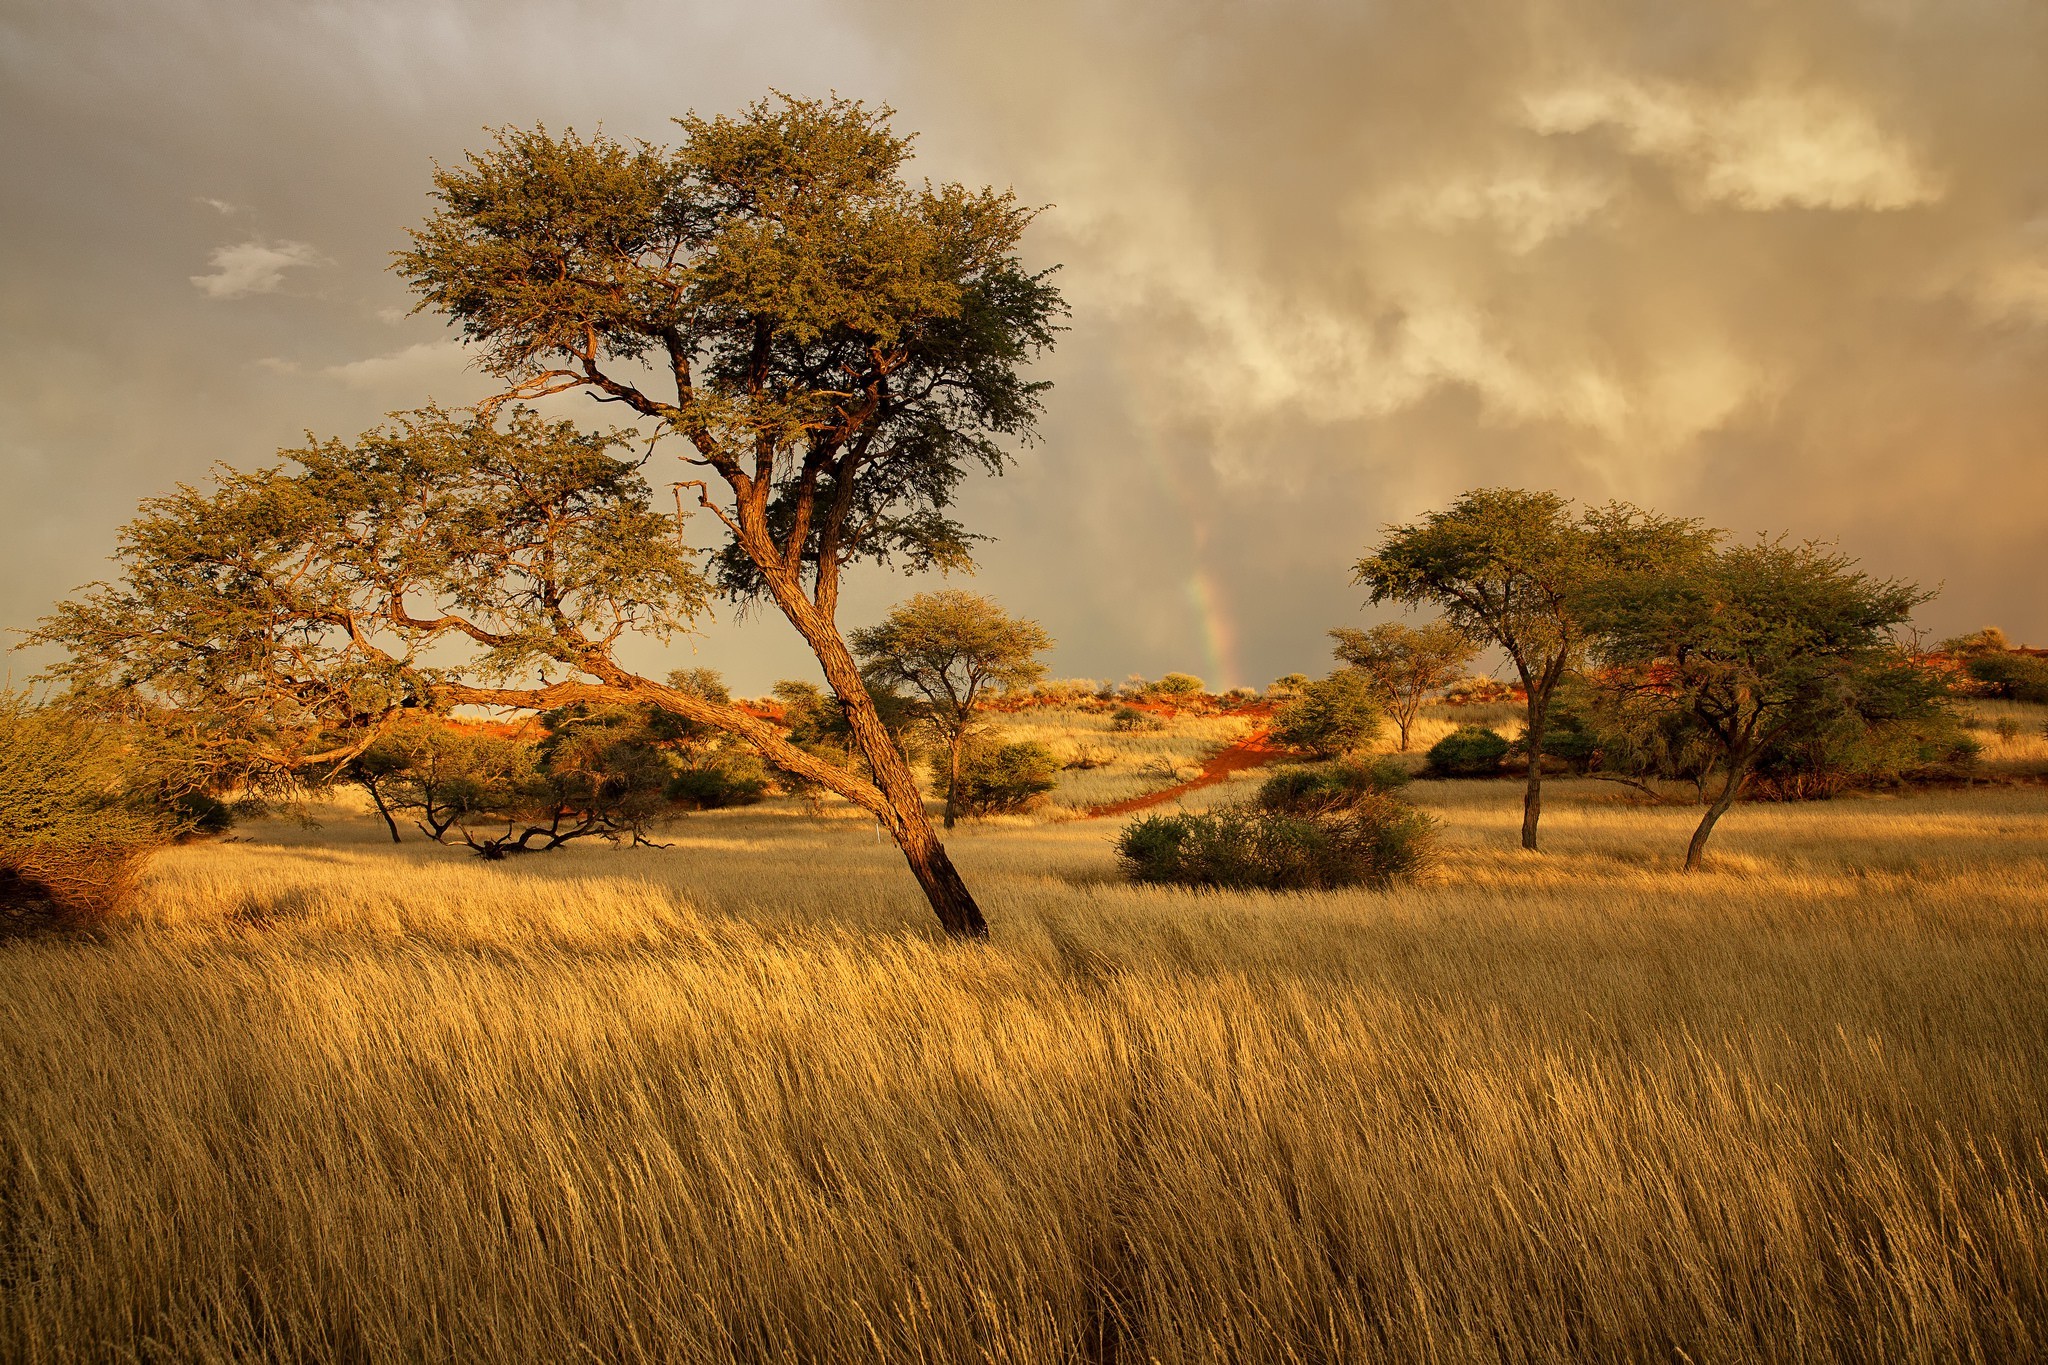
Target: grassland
[321,1098]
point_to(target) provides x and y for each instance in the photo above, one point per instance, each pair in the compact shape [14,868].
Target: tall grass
[325,1100]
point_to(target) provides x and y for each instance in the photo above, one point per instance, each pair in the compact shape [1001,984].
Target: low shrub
[1329,786]
[1468,751]
[2013,676]
[715,788]
[1377,842]
[1131,718]
[997,779]
[76,824]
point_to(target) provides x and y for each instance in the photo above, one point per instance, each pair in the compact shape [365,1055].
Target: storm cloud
[1783,266]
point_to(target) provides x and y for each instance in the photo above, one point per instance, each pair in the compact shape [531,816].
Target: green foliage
[1332,715]
[1901,729]
[1515,569]
[1468,751]
[999,778]
[782,262]
[1376,842]
[295,607]
[1330,786]
[1405,665]
[79,815]
[1179,687]
[718,786]
[1128,718]
[2014,676]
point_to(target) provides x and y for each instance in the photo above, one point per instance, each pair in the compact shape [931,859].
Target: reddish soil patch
[1255,750]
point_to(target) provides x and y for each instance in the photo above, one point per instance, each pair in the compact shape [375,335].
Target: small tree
[1511,568]
[1332,716]
[1757,646]
[951,648]
[1179,688]
[1405,665]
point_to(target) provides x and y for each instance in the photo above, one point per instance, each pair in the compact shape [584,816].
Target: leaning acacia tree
[831,349]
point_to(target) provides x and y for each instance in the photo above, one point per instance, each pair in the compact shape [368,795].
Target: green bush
[1131,718]
[715,787]
[1377,842]
[1000,778]
[2016,677]
[1179,686]
[1569,737]
[1467,751]
[1330,786]
[1332,715]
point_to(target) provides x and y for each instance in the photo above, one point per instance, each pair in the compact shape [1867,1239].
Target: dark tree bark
[377,799]
[1696,851]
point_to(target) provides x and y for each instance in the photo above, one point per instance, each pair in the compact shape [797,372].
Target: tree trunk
[1696,851]
[953,777]
[377,800]
[1532,795]
[904,815]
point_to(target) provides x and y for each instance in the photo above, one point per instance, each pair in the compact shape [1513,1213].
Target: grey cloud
[1778,263]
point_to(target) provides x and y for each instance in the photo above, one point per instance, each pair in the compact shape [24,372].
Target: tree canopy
[1757,645]
[1512,568]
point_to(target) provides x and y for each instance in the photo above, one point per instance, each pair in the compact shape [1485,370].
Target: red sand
[1253,751]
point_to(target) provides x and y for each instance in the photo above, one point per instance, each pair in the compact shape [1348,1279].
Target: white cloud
[414,368]
[278,365]
[253,268]
[1766,150]
[220,206]
[1527,208]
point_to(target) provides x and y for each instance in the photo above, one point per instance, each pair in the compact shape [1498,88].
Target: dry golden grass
[1131,762]
[324,1099]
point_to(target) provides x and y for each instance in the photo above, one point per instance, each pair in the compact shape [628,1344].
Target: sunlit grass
[324,1098]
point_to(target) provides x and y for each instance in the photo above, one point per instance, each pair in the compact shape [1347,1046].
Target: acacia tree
[1511,568]
[1760,646]
[834,347]
[1405,664]
[950,648]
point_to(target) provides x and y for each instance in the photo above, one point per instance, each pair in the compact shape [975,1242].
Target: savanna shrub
[1377,842]
[2016,677]
[1000,778]
[1467,751]
[1332,715]
[1131,718]
[75,827]
[714,787]
[1570,737]
[1329,786]
[1179,686]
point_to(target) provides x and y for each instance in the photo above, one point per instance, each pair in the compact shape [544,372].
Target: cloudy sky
[1783,265]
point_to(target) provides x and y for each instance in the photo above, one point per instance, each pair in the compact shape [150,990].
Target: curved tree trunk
[903,814]
[377,799]
[1696,851]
